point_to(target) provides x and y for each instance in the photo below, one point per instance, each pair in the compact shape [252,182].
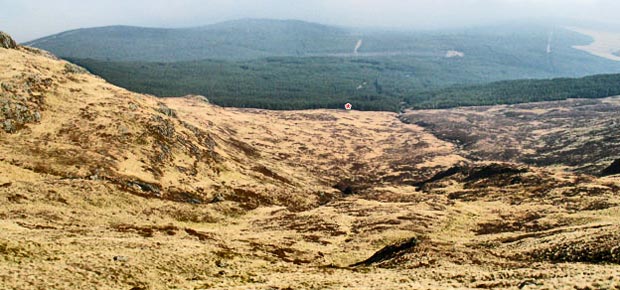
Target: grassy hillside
[108,189]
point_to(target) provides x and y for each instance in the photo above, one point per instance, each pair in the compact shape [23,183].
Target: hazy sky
[30,19]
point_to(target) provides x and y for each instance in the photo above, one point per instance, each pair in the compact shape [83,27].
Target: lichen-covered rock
[8,126]
[35,85]
[15,116]
[74,69]
[198,97]
[7,87]
[167,111]
[6,41]
[21,103]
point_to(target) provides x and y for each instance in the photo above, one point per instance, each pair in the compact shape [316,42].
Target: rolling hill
[286,64]
[242,39]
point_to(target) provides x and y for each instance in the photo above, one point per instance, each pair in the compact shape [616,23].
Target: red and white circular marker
[348,106]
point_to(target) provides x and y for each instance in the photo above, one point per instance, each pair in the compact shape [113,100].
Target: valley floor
[81,234]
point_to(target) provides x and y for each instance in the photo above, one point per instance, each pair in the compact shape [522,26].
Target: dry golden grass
[116,190]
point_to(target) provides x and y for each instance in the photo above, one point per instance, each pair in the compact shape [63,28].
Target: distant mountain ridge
[292,64]
[257,38]
[239,39]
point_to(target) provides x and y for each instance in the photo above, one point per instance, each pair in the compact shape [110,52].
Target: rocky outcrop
[6,41]
[15,116]
[612,169]
[22,101]
[389,252]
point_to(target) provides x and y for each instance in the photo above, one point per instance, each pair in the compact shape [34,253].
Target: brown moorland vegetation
[104,188]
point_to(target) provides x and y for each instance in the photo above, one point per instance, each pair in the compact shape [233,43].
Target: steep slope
[106,188]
